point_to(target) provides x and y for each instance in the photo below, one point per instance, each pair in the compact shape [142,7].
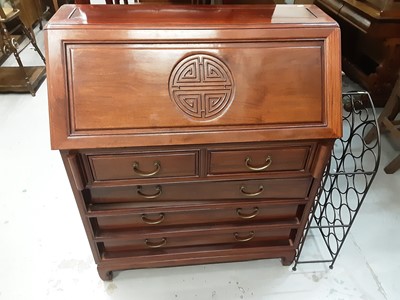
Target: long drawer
[237,213]
[194,236]
[248,189]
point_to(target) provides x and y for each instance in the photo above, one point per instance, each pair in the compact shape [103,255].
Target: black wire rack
[347,178]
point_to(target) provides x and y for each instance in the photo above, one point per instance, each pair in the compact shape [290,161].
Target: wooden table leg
[55,3]
[393,166]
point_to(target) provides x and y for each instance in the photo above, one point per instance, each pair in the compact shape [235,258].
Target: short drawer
[144,165]
[249,189]
[240,213]
[268,159]
[172,238]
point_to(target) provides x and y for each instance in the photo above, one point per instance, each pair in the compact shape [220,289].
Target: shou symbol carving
[202,86]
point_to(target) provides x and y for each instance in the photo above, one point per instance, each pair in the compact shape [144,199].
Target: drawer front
[268,159]
[232,213]
[144,165]
[189,84]
[234,236]
[250,189]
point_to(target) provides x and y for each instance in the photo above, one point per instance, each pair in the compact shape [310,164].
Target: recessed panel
[127,87]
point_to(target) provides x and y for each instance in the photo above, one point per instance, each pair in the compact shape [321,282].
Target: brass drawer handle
[244,239]
[149,244]
[136,169]
[247,216]
[157,194]
[268,162]
[153,222]
[260,190]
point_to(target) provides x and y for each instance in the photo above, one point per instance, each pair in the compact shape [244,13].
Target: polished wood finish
[181,144]
[144,165]
[143,1]
[232,2]
[370,42]
[150,125]
[267,188]
[219,213]
[285,157]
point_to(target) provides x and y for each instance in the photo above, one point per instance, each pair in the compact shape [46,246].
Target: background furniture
[370,42]
[388,122]
[55,4]
[31,11]
[145,1]
[198,152]
[21,78]
[186,1]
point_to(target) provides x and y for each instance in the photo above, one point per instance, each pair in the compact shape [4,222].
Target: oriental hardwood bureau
[193,134]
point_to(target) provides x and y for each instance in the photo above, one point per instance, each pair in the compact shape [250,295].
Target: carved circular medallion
[202,86]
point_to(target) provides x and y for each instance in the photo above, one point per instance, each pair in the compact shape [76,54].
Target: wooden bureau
[193,134]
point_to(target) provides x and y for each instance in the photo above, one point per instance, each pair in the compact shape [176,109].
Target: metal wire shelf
[347,178]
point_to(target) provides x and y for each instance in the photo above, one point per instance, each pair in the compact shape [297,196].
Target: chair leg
[390,111]
[371,135]
[393,166]
[31,36]
[10,45]
[387,112]
[56,7]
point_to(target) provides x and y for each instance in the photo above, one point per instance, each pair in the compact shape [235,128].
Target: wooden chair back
[106,1]
[146,1]
[7,13]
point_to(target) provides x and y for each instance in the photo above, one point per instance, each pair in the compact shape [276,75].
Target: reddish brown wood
[240,213]
[191,255]
[288,158]
[267,188]
[262,113]
[243,236]
[142,1]
[144,165]
[73,165]
[181,143]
